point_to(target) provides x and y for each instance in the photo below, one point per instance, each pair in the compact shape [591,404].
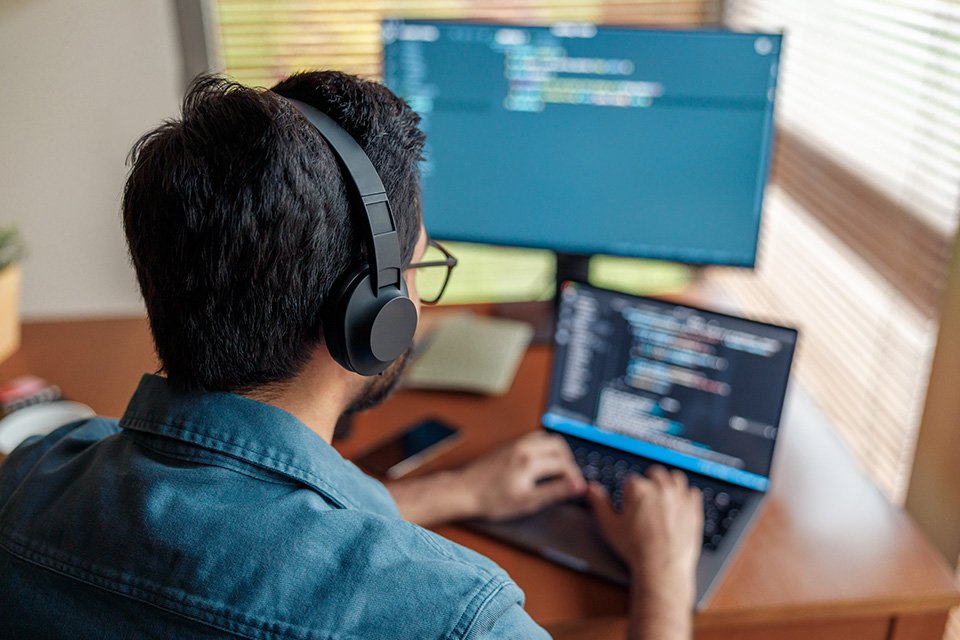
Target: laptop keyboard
[720,507]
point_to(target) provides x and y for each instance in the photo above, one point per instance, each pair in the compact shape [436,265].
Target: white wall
[80,81]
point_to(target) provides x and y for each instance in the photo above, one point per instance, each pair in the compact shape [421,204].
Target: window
[860,220]
[265,40]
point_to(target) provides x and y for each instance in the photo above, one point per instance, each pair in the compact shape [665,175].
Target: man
[216,506]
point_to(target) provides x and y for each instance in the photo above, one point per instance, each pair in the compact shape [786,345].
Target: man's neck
[317,396]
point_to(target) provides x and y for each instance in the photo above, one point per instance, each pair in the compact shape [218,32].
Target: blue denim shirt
[211,515]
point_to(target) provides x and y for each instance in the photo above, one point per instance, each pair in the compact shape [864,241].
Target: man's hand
[658,533]
[522,477]
[535,471]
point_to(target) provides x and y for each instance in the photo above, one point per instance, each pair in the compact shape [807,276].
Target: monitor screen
[693,389]
[587,140]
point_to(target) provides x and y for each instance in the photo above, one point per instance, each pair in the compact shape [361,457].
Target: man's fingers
[695,496]
[680,479]
[559,467]
[602,507]
[550,466]
[545,445]
[536,449]
[659,474]
[552,455]
[635,487]
[551,491]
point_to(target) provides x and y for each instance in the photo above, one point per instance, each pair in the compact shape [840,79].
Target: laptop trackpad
[566,534]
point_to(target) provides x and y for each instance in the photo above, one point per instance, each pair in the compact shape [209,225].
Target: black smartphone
[409,449]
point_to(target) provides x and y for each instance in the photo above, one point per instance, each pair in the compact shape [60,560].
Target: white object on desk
[39,420]
[464,352]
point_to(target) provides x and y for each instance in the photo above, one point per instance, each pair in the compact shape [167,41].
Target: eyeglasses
[433,272]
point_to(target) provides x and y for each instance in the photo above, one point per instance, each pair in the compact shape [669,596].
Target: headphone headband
[369,320]
[383,243]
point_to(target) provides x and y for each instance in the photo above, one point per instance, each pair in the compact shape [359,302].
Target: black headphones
[369,320]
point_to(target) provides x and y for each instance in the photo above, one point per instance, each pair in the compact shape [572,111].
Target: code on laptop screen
[693,389]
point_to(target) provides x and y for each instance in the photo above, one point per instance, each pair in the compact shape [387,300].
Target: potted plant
[12,251]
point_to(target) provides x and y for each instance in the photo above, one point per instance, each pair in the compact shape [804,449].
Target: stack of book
[26,391]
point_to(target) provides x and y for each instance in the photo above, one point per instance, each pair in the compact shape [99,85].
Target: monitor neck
[572,266]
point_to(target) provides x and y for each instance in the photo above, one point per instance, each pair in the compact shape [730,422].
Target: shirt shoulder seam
[222,464]
[427,537]
[182,428]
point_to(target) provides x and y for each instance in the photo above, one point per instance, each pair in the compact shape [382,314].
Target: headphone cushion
[366,332]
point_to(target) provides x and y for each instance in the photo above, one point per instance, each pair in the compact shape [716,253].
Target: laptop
[638,381]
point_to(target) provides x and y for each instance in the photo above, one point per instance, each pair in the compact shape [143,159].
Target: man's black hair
[238,221]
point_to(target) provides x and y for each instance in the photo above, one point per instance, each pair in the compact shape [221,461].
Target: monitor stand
[541,313]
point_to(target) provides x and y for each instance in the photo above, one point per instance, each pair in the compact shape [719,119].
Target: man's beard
[378,388]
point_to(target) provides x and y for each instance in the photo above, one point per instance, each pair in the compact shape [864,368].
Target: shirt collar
[258,433]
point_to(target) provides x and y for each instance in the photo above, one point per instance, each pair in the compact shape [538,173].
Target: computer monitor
[591,140]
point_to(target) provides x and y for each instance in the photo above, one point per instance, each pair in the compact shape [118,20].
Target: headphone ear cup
[393,328]
[334,334]
[365,332]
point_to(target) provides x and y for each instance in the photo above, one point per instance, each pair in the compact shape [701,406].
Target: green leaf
[12,247]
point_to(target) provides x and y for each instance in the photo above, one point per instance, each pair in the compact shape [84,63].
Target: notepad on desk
[465,352]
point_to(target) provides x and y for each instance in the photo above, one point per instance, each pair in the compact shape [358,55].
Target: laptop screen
[693,389]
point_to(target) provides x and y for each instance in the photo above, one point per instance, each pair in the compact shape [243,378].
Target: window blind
[864,354]
[264,40]
[875,84]
[859,223]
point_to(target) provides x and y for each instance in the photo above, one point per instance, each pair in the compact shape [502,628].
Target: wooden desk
[829,557]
